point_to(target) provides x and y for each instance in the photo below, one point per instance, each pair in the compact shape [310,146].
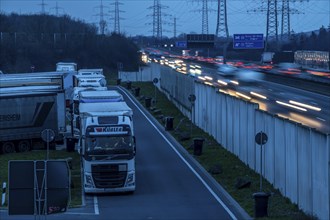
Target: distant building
[312,59]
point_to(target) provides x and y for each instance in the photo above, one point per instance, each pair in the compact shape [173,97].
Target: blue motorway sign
[248,41]
[182,44]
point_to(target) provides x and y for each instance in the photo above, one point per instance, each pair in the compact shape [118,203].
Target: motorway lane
[166,187]
[319,120]
[169,185]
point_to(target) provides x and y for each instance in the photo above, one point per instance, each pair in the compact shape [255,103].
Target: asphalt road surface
[170,184]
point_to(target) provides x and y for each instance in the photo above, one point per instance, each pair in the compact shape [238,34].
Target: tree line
[40,41]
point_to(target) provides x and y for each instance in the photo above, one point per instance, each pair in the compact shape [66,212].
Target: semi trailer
[26,111]
[107,146]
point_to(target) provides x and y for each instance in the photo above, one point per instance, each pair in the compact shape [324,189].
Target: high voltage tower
[272,12]
[222,26]
[157,29]
[57,9]
[174,27]
[42,4]
[205,17]
[102,22]
[285,21]
[116,18]
[271,26]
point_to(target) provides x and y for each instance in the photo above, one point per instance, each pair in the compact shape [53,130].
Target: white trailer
[87,72]
[28,110]
[89,80]
[107,146]
[94,96]
[267,57]
[66,66]
[100,96]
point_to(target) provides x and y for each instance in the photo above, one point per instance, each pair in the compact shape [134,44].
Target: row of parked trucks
[101,120]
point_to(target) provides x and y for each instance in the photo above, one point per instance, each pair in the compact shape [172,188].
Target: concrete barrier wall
[296,158]
[145,74]
[178,86]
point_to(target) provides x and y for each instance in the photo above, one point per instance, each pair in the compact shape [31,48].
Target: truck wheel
[8,147]
[24,146]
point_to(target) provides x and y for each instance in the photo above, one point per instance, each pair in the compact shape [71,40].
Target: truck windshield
[110,148]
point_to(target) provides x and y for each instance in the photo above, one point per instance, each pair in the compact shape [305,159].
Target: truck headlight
[130,178]
[89,180]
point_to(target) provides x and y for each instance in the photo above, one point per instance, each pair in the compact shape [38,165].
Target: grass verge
[237,178]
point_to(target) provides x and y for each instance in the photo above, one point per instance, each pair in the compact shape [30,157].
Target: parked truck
[94,96]
[66,66]
[32,79]
[69,70]
[100,96]
[267,57]
[89,80]
[26,111]
[87,72]
[107,146]
[77,90]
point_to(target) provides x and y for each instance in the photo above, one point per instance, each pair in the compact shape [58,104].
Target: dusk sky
[137,14]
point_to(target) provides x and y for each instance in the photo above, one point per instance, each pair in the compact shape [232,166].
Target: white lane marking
[320,119]
[184,160]
[83,197]
[78,213]
[96,206]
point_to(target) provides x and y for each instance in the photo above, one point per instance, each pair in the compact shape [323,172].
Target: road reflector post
[129,85]
[3,200]
[70,144]
[198,146]
[137,91]
[169,123]
[261,204]
[147,102]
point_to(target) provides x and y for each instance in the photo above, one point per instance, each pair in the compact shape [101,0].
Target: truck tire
[24,146]
[8,147]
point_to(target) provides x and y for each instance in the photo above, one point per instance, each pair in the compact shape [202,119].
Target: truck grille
[109,175]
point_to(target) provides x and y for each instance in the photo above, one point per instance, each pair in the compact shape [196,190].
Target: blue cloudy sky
[136,17]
